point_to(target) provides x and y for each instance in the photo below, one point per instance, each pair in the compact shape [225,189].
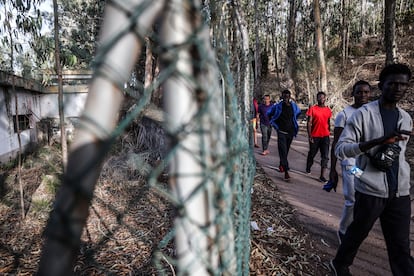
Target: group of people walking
[369,140]
[283,117]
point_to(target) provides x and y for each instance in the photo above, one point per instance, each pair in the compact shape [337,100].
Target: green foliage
[20,18]
[9,165]
[26,63]
[79,41]
[41,206]
[68,59]
[51,182]
[43,47]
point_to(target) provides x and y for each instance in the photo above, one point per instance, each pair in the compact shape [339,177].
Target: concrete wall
[73,105]
[37,103]
[28,103]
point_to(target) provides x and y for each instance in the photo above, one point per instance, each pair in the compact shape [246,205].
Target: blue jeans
[284,141]
[319,144]
[394,214]
[266,134]
[349,195]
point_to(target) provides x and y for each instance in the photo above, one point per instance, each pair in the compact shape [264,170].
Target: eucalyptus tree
[345,30]
[244,70]
[19,18]
[58,71]
[291,67]
[389,32]
[319,46]
[257,51]
[276,25]
[81,21]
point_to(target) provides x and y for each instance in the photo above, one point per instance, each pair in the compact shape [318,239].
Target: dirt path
[320,211]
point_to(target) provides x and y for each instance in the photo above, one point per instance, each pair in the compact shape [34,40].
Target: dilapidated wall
[40,108]
[28,106]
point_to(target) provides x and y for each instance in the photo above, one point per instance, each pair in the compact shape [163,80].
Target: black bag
[385,156]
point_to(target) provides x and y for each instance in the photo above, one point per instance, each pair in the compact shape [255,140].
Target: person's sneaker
[287,176]
[281,169]
[340,236]
[329,186]
[323,179]
[339,271]
[308,171]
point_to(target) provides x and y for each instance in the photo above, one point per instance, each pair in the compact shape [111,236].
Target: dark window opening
[23,121]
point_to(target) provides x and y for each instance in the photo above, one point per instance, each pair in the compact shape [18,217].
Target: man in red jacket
[318,127]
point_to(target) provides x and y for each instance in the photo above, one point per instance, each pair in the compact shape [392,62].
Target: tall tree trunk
[275,51]
[58,69]
[19,138]
[274,43]
[319,46]
[345,29]
[389,32]
[196,252]
[291,48]
[363,18]
[257,59]
[245,68]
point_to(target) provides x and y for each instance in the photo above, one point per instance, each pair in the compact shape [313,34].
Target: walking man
[361,92]
[382,182]
[284,119]
[318,127]
[265,126]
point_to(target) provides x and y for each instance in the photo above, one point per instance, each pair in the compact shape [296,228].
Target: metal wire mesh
[209,160]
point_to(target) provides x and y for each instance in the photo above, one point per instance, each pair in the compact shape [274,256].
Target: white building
[36,114]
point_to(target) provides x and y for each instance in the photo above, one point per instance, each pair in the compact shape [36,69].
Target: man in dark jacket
[284,117]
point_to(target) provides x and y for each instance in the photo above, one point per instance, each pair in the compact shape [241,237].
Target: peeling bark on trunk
[389,32]
[319,47]
[58,69]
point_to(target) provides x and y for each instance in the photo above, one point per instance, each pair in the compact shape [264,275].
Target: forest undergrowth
[128,219]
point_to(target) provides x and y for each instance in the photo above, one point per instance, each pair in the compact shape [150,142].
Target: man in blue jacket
[283,117]
[380,191]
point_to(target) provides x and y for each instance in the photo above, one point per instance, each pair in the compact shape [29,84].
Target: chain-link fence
[203,213]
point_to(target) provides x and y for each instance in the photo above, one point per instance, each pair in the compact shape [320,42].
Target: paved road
[320,211]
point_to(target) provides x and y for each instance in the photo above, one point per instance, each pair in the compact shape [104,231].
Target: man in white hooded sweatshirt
[379,193]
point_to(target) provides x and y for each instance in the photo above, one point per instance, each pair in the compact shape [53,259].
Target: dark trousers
[266,134]
[321,144]
[284,141]
[394,214]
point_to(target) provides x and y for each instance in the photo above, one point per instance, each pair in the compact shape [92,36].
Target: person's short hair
[360,82]
[286,91]
[393,69]
[320,93]
[267,95]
